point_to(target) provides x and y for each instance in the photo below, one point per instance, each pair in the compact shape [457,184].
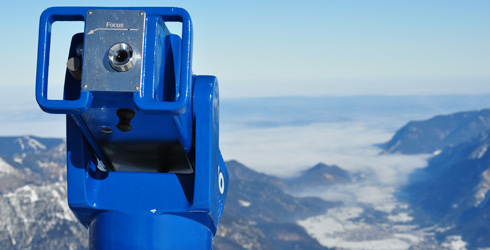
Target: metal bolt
[106,130]
[137,88]
[142,13]
[90,12]
[85,86]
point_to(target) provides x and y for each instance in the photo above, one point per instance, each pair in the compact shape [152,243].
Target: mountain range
[453,191]
[33,197]
[259,214]
[430,136]
[31,160]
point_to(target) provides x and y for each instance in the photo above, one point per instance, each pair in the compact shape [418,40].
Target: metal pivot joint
[144,166]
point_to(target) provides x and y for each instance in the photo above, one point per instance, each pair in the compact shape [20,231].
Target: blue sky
[301,48]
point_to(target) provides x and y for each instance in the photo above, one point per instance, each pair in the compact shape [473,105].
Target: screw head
[85,86]
[106,130]
[142,13]
[137,88]
[90,12]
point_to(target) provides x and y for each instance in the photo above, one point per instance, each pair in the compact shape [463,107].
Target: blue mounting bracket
[144,166]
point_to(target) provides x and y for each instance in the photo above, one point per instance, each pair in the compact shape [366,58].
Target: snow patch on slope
[437,152]
[479,152]
[21,143]
[5,168]
[34,144]
[482,188]
[244,203]
[28,142]
[401,217]
[454,242]
[20,158]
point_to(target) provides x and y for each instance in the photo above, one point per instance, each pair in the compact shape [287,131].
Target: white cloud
[284,151]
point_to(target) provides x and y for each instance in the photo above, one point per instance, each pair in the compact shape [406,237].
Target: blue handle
[48,17]
[144,99]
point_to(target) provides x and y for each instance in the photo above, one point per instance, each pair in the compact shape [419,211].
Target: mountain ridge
[453,191]
[434,134]
[318,176]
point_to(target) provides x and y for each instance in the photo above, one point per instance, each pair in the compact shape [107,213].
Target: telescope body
[144,166]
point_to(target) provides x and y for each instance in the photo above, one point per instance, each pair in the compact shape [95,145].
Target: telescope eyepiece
[121,57]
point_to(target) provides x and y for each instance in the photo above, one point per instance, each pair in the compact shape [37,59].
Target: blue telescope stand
[144,166]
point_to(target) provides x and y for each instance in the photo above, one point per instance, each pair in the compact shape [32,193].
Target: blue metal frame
[142,210]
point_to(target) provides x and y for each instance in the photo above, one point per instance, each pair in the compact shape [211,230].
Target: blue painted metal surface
[163,183]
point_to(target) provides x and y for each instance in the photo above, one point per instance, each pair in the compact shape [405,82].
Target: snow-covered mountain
[31,160]
[19,145]
[430,136]
[33,198]
[453,191]
[38,217]
[33,203]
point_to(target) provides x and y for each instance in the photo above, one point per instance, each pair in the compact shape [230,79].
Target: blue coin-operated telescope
[144,167]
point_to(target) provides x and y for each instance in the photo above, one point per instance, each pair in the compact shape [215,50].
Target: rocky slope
[441,131]
[30,160]
[33,198]
[38,217]
[453,191]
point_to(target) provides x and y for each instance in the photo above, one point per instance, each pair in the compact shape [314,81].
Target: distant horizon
[28,119]
[355,95]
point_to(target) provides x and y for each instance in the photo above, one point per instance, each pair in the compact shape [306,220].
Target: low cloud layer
[285,151]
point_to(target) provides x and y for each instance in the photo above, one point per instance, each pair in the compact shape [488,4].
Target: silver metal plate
[103,29]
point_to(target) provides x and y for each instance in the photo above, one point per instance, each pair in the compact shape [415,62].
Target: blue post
[144,166]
